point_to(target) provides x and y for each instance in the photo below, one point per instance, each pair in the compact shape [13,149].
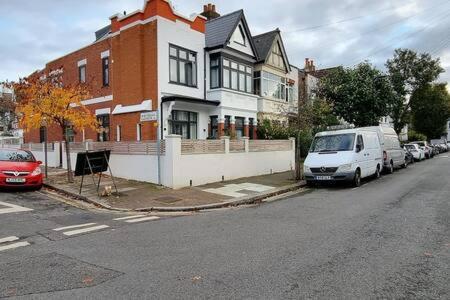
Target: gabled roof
[264,43]
[102,32]
[219,30]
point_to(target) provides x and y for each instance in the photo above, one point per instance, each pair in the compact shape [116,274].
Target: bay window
[273,86]
[182,66]
[236,76]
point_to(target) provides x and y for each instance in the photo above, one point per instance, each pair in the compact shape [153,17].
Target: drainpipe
[204,74]
[159,138]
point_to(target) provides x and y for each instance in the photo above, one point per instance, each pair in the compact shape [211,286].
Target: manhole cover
[167,199]
[48,273]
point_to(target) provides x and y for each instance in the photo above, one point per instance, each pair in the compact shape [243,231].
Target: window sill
[182,84]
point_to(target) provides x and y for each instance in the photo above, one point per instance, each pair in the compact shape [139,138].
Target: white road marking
[142,219]
[15,245]
[129,217]
[89,229]
[12,208]
[232,190]
[74,226]
[9,239]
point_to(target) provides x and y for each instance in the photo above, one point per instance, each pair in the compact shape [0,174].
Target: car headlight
[306,169]
[344,168]
[36,171]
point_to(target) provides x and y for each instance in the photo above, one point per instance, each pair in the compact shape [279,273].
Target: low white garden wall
[190,162]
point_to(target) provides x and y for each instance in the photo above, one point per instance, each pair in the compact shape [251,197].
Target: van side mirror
[358,148]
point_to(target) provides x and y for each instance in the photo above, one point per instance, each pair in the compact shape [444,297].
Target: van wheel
[390,170]
[377,172]
[357,178]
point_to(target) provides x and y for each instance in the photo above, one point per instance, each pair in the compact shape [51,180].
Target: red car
[19,168]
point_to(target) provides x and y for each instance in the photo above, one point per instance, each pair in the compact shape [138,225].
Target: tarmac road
[389,238]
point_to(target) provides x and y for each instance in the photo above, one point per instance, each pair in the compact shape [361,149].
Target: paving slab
[137,195]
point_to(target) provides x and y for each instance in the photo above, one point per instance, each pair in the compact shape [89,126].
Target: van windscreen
[335,142]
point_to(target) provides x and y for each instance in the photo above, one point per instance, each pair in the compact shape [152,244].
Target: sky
[330,32]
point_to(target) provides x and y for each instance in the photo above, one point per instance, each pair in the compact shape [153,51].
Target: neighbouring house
[275,80]
[155,72]
[9,127]
[309,78]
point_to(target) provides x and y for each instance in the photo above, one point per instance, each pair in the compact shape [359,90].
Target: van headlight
[306,169]
[345,168]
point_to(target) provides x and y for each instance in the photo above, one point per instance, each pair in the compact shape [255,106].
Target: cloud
[353,31]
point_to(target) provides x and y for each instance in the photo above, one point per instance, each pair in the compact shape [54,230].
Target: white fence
[183,162]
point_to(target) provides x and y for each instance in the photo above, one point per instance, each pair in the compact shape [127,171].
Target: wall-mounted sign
[149,116]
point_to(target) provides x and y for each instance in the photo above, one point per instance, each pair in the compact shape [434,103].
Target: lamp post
[44,123]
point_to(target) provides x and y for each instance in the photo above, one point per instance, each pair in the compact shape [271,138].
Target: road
[389,238]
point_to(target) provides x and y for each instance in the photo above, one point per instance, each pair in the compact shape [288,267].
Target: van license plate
[15,180]
[323,177]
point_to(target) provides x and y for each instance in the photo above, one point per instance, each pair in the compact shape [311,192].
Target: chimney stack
[309,65]
[209,11]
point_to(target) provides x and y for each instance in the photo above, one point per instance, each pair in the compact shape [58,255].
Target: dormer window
[240,36]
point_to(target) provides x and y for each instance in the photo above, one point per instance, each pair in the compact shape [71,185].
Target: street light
[44,124]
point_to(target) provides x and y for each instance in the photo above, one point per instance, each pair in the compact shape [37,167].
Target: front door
[361,155]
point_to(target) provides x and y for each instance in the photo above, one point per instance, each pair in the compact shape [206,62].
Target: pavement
[388,239]
[134,195]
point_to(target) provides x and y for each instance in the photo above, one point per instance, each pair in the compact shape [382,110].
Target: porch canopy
[189,100]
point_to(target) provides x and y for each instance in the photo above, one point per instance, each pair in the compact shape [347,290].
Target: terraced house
[155,72]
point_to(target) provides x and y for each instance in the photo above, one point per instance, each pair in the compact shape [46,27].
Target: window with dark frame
[236,76]
[250,128]
[182,66]
[214,74]
[105,71]
[239,127]
[183,123]
[103,134]
[214,125]
[82,73]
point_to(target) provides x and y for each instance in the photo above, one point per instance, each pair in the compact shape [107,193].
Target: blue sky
[330,32]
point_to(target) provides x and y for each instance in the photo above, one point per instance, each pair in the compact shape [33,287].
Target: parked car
[409,157]
[425,147]
[440,144]
[393,153]
[416,151]
[343,155]
[19,169]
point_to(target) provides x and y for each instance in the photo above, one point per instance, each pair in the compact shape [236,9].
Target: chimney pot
[213,7]
[205,8]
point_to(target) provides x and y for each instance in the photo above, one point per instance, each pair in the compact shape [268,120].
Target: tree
[360,95]
[430,106]
[49,102]
[7,111]
[409,71]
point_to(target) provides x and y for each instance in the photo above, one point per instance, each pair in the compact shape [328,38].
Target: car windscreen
[335,142]
[16,155]
[410,147]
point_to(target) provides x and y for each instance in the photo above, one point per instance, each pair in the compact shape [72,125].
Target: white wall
[247,48]
[177,170]
[180,34]
[208,168]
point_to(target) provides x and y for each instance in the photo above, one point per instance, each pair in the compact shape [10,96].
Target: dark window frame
[238,72]
[178,60]
[217,68]
[105,71]
[173,120]
[105,135]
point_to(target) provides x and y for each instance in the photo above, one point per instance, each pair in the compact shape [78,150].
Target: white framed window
[118,133]
[139,132]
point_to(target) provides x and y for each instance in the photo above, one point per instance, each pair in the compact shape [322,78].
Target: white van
[393,153]
[344,155]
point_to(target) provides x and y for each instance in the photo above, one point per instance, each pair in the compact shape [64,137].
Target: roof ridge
[266,33]
[228,14]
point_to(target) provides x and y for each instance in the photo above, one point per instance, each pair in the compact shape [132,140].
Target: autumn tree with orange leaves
[45,101]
